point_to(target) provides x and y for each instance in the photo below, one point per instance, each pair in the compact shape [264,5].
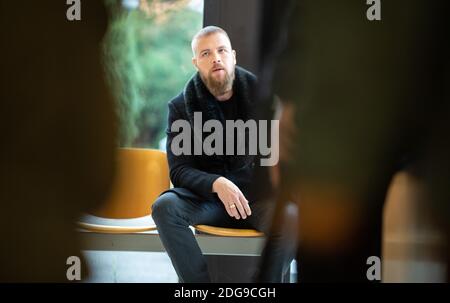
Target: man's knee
[286,220]
[291,217]
[165,207]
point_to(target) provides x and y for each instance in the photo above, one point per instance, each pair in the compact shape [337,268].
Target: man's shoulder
[246,78]
[177,101]
[246,73]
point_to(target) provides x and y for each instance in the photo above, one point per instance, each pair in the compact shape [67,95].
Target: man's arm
[183,171]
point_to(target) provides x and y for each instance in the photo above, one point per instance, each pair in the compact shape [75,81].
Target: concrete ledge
[149,241]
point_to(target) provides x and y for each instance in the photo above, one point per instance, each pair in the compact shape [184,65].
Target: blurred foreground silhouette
[57,133]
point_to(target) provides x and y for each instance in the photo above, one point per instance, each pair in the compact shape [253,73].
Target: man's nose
[216,58]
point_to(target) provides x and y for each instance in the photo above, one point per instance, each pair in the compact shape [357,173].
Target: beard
[221,86]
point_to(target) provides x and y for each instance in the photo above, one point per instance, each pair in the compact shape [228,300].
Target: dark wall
[240,19]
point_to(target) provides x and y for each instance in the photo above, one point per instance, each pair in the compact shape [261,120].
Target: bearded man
[212,189]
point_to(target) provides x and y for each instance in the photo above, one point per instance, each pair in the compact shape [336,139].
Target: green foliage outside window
[148,60]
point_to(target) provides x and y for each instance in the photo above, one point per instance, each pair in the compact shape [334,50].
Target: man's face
[215,61]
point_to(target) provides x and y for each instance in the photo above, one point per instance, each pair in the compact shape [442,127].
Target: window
[148,59]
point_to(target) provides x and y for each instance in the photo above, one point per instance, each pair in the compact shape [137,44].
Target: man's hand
[232,198]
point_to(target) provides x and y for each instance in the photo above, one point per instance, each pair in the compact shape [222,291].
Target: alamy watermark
[256,132]
[73,273]
[373,273]
[374,11]
[74,11]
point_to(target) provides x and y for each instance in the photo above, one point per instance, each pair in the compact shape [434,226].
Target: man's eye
[204,54]
[221,50]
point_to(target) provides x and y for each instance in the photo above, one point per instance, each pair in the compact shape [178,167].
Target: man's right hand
[232,198]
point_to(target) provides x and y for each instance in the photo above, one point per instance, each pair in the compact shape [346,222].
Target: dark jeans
[174,214]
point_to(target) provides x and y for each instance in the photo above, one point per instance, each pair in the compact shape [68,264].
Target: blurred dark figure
[57,134]
[361,100]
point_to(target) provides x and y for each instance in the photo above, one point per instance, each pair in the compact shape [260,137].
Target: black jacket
[197,173]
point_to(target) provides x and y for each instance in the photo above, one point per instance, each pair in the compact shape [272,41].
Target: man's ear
[194,62]
[234,56]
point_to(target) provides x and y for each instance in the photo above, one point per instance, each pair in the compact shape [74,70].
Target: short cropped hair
[206,31]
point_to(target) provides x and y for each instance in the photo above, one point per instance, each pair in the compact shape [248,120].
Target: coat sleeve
[183,170]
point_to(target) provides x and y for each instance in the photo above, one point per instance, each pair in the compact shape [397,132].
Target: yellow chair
[228,232]
[142,174]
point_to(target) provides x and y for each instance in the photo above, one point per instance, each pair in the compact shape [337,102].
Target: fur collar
[197,97]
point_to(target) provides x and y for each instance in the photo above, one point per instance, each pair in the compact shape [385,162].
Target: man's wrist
[214,184]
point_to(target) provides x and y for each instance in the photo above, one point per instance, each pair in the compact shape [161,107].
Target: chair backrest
[142,174]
